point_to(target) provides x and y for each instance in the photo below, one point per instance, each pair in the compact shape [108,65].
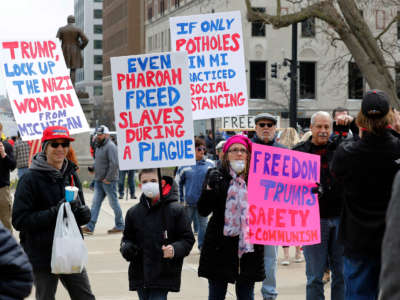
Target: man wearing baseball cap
[366,168]
[106,173]
[39,194]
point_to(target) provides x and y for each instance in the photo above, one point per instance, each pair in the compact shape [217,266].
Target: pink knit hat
[238,139]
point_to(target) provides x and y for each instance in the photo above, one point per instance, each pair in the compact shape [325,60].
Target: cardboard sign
[238,122]
[152,115]
[39,87]
[282,208]
[214,43]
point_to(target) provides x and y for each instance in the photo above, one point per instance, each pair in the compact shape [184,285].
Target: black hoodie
[144,227]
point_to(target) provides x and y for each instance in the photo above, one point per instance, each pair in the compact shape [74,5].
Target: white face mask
[151,189]
[238,165]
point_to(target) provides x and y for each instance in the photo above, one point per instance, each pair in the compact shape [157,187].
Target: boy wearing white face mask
[157,236]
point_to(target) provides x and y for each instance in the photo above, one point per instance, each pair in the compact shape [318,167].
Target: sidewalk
[108,271]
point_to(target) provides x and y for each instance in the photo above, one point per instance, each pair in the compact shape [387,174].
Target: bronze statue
[73,40]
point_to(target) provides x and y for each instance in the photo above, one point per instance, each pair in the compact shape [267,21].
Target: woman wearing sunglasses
[227,255]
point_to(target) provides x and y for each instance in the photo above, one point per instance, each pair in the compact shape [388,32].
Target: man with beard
[330,199]
[265,135]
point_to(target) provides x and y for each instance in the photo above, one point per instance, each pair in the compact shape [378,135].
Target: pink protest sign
[282,208]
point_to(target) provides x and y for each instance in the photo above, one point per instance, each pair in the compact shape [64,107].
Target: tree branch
[395,19]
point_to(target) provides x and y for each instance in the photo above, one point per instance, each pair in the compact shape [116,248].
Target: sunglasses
[262,125]
[201,149]
[55,144]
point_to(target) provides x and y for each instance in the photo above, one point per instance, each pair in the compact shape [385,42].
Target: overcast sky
[31,19]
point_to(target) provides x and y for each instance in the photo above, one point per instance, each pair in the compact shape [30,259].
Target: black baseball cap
[375,104]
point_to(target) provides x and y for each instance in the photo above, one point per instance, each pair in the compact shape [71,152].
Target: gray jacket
[106,161]
[390,272]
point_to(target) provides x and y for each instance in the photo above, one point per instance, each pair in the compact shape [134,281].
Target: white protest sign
[238,122]
[152,115]
[39,87]
[214,43]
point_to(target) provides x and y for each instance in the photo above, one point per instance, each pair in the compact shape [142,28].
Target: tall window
[308,27]
[356,82]
[307,80]
[258,79]
[176,3]
[98,59]
[98,44]
[98,90]
[97,13]
[162,7]
[258,28]
[98,75]
[98,29]
[149,13]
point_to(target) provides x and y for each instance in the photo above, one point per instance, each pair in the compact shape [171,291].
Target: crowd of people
[358,196]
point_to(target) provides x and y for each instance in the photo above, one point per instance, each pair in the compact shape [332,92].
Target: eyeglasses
[201,149]
[262,125]
[237,151]
[55,144]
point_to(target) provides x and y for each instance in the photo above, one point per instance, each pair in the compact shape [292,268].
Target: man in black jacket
[367,168]
[16,271]
[157,236]
[39,194]
[7,164]
[265,135]
[330,204]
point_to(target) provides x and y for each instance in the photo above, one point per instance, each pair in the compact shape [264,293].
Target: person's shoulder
[210,163]
[300,145]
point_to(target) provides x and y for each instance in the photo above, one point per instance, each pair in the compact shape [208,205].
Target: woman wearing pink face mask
[227,255]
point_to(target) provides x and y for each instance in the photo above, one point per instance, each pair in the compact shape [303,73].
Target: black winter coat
[144,229]
[15,270]
[331,200]
[36,194]
[7,164]
[219,255]
[366,168]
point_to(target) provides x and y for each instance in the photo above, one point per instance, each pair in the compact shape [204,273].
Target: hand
[54,209]
[128,250]
[82,214]
[2,150]
[168,251]
[318,190]
[106,181]
[344,120]
[215,179]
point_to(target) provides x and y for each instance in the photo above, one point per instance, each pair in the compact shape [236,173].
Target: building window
[98,75]
[397,80]
[176,3]
[307,80]
[308,27]
[98,44]
[98,29]
[258,79]
[149,13]
[356,82]
[97,13]
[98,90]
[98,59]
[98,0]
[258,28]
[162,7]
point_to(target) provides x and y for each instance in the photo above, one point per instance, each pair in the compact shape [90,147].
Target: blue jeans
[192,213]
[361,278]
[268,289]
[152,294]
[217,290]
[317,258]
[101,190]
[21,171]
[131,182]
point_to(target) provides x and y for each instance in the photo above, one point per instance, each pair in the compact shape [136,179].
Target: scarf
[236,213]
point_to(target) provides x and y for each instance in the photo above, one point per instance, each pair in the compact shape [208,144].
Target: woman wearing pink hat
[227,256]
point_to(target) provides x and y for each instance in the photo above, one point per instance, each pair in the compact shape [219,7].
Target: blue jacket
[16,277]
[191,178]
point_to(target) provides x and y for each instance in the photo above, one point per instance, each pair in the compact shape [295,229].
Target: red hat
[56,132]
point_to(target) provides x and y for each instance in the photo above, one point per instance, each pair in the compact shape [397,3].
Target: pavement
[108,271]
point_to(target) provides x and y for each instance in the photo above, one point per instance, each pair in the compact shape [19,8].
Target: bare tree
[346,24]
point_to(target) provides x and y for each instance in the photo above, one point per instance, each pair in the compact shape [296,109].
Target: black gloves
[82,214]
[215,179]
[128,250]
[318,190]
[54,209]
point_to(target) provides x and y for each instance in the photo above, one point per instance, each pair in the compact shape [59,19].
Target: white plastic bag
[69,253]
